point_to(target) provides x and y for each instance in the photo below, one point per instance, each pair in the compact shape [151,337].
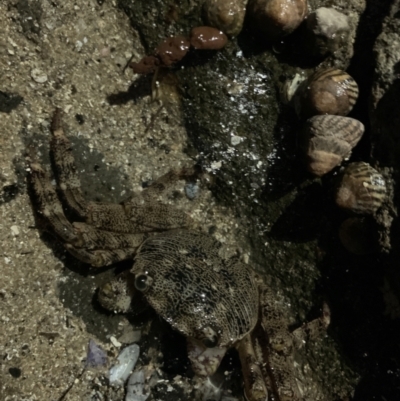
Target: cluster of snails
[324,99]
[274,18]
[327,139]
[326,29]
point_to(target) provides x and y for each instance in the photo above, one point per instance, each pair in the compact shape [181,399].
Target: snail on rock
[277,18]
[361,189]
[327,140]
[226,15]
[327,91]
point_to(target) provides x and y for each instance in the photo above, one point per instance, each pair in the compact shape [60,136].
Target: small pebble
[191,190]
[15,230]
[78,45]
[216,165]
[235,140]
[134,389]
[327,31]
[126,362]
[96,356]
[38,76]
[115,342]
[130,336]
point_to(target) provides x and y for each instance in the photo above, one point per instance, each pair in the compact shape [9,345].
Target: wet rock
[96,356]
[127,359]
[327,30]
[135,387]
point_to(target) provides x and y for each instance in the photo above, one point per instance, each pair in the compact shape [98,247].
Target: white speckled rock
[134,389]
[126,362]
[328,29]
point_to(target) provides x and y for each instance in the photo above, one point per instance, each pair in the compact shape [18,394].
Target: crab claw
[205,361]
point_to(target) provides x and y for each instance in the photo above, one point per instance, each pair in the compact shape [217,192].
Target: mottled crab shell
[200,294]
[361,189]
[327,91]
[327,140]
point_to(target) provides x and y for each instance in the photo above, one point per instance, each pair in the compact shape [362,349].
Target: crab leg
[314,329]
[254,378]
[134,215]
[66,171]
[49,205]
[158,187]
[277,345]
[90,245]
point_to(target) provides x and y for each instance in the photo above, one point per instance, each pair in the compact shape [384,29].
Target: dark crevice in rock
[362,67]
[357,283]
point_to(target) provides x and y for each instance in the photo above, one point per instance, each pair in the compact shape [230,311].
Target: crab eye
[143,282]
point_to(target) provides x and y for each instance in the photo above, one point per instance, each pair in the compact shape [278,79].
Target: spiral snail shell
[226,15]
[327,140]
[277,18]
[361,189]
[328,91]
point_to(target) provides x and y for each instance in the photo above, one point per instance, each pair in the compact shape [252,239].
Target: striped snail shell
[277,18]
[327,140]
[328,91]
[361,189]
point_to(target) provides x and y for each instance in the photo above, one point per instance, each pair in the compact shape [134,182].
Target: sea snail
[327,91]
[327,140]
[361,189]
[226,15]
[277,18]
